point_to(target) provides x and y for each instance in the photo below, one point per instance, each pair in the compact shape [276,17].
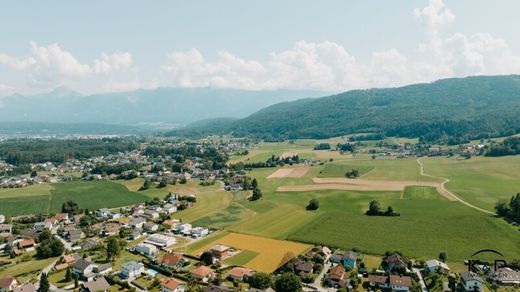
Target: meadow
[45,199]
[481,181]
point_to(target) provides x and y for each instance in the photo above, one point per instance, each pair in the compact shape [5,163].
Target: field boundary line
[446,191]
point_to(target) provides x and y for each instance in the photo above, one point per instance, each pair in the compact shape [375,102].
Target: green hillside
[459,108]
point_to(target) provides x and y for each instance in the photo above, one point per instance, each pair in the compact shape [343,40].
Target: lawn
[24,270]
[58,279]
[271,253]
[241,259]
[12,206]
[481,181]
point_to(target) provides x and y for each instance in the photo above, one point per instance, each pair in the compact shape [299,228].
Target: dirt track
[289,172]
[364,185]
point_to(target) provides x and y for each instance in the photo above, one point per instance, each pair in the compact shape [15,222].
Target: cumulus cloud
[111,63]
[47,67]
[329,66]
[305,65]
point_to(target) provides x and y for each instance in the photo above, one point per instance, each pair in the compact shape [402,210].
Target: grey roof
[82,264]
[470,276]
[99,284]
[132,265]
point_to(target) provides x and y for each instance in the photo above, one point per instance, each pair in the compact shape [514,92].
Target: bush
[313,205]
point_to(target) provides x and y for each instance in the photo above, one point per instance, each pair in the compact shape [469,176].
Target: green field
[44,199]
[428,224]
[242,258]
[481,181]
[339,170]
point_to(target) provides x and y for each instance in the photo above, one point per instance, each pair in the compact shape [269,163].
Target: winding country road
[444,181]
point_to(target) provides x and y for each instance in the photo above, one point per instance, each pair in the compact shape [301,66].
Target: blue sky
[100,46]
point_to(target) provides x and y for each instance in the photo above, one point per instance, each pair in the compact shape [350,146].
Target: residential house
[219,251]
[151,227]
[199,232]
[7,284]
[377,281]
[436,266]
[303,268]
[170,224]
[152,214]
[470,281]
[6,228]
[98,284]
[26,245]
[131,269]
[172,261]
[336,277]
[183,228]
[111,228]
[169,208]
[75,234]
[349,259]
[161,240]
[172,285]
[240,274]
[103,212]
[135,234]
[395,261]
[137,223]
[400,283]
[146,249]
[203,274]
[40,226]
[84,269]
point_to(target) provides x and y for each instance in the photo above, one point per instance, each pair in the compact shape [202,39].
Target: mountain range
[170,106]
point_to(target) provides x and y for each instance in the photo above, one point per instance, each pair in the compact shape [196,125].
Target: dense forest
[447,111]
[25,151]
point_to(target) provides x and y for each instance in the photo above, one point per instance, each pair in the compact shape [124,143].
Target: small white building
[131,270]
[161,240]
[170,208]
[436,266]
[199,232]
[2,219]
[146,249]
[183,228]
[137,223]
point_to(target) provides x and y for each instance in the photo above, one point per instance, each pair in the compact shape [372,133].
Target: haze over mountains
[458,108]
[142,107]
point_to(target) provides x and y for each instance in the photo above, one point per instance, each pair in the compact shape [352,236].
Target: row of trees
[509,210]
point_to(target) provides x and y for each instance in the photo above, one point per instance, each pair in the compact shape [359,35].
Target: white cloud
[5,90]
[305,65]
[114,62]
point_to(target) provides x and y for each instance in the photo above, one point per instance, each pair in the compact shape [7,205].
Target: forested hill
[472,107]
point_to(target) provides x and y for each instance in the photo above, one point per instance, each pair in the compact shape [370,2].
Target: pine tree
[44,283]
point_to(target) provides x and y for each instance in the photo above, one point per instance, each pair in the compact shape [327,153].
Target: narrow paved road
[443,187]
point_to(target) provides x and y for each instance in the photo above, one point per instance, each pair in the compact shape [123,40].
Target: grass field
[339,169]
[270,253]
[241,259]
[481,181]
[49,198]
[25,270]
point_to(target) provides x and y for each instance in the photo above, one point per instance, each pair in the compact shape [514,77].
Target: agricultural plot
[426,226]
[481,181]
[42,199]
[270,253]
[297,171]
[339,169]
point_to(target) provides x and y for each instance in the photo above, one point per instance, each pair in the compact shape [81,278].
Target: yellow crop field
[272,253]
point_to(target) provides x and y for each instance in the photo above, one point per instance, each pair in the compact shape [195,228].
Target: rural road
[443,188]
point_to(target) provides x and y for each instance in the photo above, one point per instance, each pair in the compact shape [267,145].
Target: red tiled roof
[170,283]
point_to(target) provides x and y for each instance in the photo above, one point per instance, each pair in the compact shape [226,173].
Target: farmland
[49,198]
[429,223]
[261,254]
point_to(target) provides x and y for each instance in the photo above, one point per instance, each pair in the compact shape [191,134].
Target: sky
[110,46]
